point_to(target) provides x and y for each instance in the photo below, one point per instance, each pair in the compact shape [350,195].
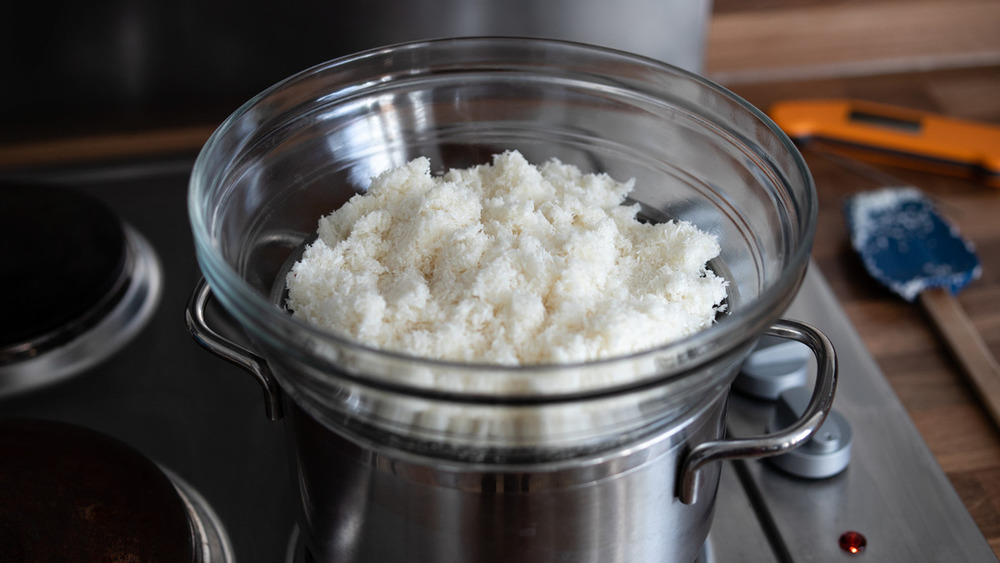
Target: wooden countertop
[942,404]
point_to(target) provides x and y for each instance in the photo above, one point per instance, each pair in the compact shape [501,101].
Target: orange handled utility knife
[895,135]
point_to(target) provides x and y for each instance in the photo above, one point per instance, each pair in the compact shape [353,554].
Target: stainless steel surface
[737,535]
[673,31]
[201,417]
[779,441]
[138,59]
[774,367]
[372,504]
[893,491]
[826,453]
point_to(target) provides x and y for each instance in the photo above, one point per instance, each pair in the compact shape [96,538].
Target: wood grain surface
[966,346]
[751,40]
[929,382]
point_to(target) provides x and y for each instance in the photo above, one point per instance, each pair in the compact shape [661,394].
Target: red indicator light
[853,542]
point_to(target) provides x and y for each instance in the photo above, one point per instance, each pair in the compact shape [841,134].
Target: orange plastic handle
[901,136]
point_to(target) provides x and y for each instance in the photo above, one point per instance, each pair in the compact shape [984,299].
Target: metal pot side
[360,504]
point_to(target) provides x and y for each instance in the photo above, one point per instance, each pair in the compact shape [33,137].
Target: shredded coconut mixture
[505,263]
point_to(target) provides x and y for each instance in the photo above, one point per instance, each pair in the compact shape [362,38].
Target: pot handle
[784,440]
[230,351]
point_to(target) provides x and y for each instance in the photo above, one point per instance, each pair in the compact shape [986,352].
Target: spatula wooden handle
[966,345]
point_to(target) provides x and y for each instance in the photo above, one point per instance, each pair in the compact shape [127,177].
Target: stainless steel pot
[405,458]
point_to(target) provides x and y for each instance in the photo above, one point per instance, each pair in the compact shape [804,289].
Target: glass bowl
[697,152]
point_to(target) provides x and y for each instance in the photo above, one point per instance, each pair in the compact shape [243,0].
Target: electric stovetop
[202,421]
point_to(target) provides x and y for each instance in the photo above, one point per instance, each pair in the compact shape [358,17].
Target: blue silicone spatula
[907,246]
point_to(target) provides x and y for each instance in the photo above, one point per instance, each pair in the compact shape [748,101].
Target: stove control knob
[775,366]
[826,454]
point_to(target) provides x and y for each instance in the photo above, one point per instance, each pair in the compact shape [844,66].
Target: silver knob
[775,366]
[826,454]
